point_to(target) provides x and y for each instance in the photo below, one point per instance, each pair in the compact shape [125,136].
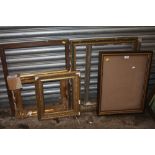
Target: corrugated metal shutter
[47,58]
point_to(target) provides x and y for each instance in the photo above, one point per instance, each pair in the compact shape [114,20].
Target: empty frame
[19,45]
[70,104]
[20,110]
[89,43]
[69,100]
[123,79]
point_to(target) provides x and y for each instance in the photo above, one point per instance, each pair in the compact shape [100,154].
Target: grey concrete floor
[87,120]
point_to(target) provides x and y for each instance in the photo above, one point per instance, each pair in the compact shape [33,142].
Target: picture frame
[29,78]
[97,42]
[44,114]
[122,81]
[29,44]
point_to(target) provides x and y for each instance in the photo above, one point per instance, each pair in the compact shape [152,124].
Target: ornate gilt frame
[51,113]
[20,111]
[3,47]
[96,42]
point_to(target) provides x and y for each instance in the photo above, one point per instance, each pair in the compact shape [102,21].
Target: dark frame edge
[101,53]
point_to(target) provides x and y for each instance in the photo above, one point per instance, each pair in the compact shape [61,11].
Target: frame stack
[69,84]
[114,88]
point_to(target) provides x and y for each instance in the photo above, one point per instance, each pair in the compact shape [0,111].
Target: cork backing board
[123,82]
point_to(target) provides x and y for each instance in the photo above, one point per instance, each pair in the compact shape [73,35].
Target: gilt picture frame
[4,47]
[29,78]
[89,42]
[43,113]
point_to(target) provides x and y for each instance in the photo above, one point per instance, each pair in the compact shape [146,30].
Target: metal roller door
[52,58]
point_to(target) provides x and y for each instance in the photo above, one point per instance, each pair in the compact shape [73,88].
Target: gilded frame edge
[42,115]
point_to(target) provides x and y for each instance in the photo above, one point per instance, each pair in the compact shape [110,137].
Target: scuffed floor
[87,120]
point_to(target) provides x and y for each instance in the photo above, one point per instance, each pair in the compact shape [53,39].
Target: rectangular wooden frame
[49,114]
[96,42]
[29,79]
[146,79]
[3,47]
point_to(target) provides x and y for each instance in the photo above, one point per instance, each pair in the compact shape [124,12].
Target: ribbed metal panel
[52,58]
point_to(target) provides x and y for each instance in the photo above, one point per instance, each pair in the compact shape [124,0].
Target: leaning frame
[49,113]
[28,78]
[96,42]
[145,86]
[3,47]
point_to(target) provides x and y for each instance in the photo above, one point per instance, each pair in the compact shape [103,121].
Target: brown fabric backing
[123,82]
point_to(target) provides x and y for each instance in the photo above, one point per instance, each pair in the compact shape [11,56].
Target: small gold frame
[29,78]
[51,113]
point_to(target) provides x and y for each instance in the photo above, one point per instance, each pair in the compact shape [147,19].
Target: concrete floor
[87,120]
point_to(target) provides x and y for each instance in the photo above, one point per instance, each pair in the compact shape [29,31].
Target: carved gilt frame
[3,47]
[96,42]
[51,113]
[20,111]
